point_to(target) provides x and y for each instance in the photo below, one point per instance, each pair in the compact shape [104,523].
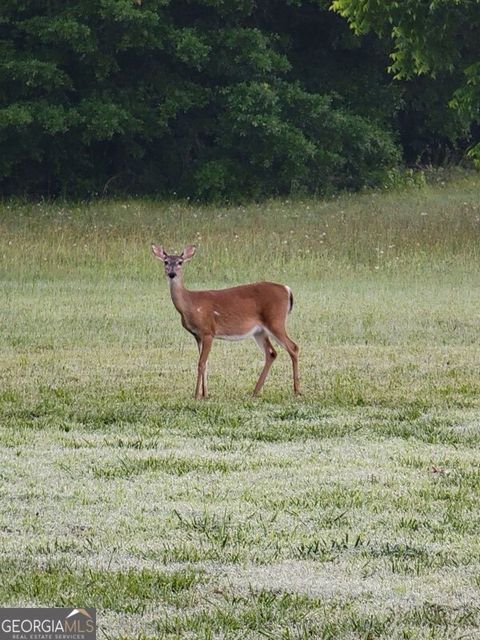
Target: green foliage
[437,39]
[283,136]
[211,100]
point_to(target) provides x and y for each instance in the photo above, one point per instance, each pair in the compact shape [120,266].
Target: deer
[257,311]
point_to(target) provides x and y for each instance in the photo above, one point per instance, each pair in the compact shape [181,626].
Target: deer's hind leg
[270,354]
[279,333]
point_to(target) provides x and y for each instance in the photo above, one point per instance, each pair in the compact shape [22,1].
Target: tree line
[231,99]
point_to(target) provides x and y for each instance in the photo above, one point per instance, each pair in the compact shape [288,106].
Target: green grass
[350,512]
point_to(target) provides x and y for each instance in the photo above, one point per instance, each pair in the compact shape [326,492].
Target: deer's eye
[180,262]
[165,261]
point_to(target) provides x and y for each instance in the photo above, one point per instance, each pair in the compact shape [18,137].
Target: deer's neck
[180,295]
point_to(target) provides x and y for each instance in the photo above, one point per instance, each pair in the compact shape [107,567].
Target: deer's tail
[290,299]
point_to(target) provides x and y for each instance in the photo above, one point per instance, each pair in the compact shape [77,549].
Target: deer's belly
[240,336]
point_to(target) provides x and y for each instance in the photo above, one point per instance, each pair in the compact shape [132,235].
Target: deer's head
[173,264]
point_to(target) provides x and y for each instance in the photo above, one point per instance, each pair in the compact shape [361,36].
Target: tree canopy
[213,98]
[437,39]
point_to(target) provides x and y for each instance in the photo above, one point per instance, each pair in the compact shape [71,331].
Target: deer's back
[240,311]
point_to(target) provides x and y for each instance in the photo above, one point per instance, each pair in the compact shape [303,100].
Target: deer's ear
[189,251]
[158,251]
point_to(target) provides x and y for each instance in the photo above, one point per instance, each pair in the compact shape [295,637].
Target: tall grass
[373,231]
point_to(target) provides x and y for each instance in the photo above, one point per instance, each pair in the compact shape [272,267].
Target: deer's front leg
[203,389]
[204,346]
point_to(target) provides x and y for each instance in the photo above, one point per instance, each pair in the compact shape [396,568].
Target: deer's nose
[171,275]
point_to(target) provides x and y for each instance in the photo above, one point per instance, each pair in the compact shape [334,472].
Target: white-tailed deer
[256,311]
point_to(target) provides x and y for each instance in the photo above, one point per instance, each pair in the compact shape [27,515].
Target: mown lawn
[350,512]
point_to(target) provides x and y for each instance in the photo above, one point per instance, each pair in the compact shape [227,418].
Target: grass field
[350,512]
